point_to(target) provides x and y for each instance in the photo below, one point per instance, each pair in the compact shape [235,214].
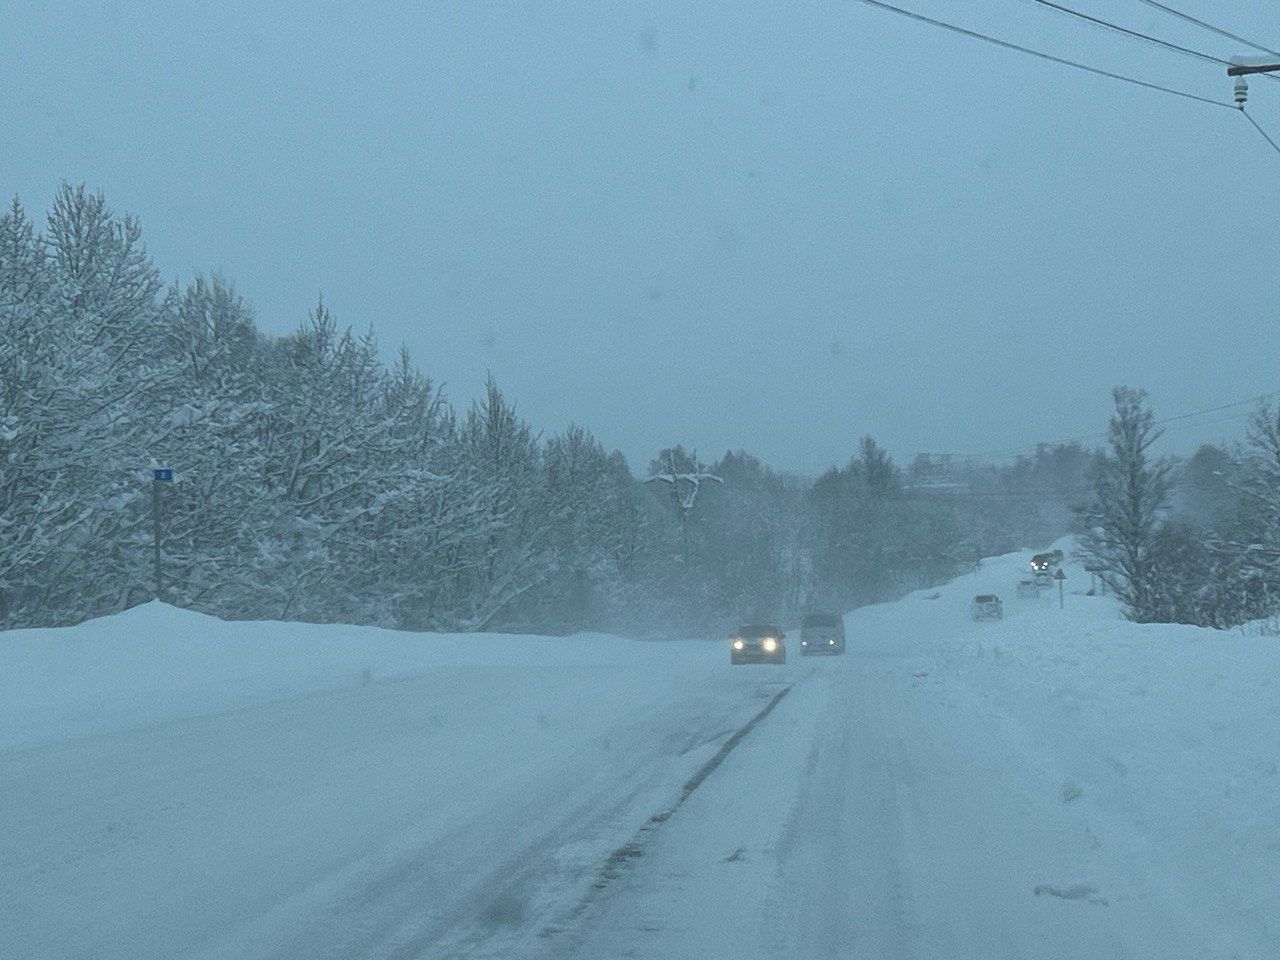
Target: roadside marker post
[160,475]
[1060,576]
[1097,582]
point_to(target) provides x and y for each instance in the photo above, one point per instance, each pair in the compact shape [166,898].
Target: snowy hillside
[1062,783]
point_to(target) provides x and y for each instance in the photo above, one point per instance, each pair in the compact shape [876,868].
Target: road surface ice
[1059,784]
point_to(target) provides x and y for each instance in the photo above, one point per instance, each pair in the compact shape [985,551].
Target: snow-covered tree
[83,335]
[864,531]
[1131,491]
[586,507]
[207,431]
[430,536]
[504,458]
[1205,487]
[35,515]
[1261,480]
[1247,542]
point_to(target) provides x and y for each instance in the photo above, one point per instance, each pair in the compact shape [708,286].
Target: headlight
[769,644]
[831,642]
[738,644]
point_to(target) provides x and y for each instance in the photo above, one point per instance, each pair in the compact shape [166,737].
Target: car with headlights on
[821,633]
[758,643]
[1045,565]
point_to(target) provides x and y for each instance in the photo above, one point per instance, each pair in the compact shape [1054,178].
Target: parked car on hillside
[987,606]
[758,643]
[821,633]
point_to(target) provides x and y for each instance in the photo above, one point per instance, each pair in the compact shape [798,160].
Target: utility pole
[160,475]
[1241,67]
[684,489]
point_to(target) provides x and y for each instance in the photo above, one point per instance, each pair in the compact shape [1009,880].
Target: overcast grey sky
[771,225]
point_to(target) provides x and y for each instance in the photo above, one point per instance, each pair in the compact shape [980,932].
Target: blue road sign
[162,475]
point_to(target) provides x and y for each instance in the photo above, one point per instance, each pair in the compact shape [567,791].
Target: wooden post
[155,534]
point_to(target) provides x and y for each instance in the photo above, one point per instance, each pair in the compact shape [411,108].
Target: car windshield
[401,404]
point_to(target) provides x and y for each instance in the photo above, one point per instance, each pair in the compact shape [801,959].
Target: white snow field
[1060,784]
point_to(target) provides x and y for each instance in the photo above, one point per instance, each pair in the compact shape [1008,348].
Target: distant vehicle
[987,606]
[821,633]
[1028,589]
[1043,566]
[758,643]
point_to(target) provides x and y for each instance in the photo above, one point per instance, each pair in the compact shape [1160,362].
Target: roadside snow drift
[157,663]
[1061,783]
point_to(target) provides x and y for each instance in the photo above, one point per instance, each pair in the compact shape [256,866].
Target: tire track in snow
[612,869]
[838,879]
[506,919]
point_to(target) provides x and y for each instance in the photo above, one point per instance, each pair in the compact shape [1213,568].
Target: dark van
[822,633]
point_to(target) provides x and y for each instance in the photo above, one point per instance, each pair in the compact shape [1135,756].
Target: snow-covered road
[1061,784]
[864,822]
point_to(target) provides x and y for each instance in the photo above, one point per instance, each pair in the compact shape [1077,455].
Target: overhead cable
[1097,71]
[1137,35]
[1208,26]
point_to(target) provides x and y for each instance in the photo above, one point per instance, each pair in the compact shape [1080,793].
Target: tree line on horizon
[317,482]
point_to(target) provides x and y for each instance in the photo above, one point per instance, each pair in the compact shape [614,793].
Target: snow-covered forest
[315,481]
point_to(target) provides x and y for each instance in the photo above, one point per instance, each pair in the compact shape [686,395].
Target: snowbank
[156,663]
[1146,757]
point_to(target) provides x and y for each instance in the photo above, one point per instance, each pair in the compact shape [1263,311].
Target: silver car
[987,606]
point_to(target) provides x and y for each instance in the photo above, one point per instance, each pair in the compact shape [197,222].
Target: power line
[1008,45]
[1265,135]
[1208,26]
[1137,35]
[1007,452]
[921,18]
[1218,409]
[1230,418]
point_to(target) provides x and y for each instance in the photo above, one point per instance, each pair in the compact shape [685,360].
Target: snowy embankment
[1147,757]
[1060,784]
[178,786]
[157,663]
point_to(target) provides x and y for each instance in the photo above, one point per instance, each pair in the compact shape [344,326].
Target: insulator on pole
[1242,92]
